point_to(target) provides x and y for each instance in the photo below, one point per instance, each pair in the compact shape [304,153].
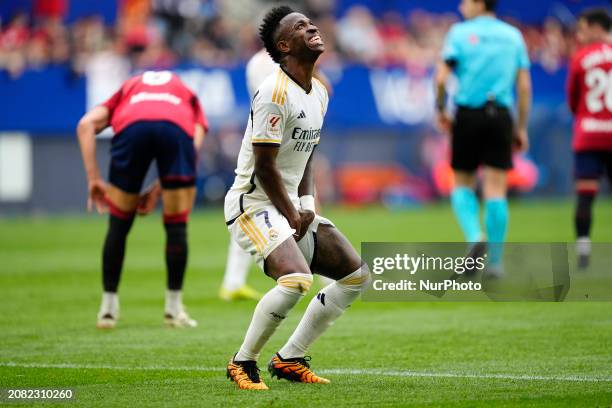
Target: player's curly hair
[268,27]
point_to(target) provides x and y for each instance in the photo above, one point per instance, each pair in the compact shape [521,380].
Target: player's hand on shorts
[306,218]
[521,141]
[296,224]
[97,196]
[443,123]
[147,201]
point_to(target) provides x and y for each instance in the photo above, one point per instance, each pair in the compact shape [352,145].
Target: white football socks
[583,246]
[109,305]
[174,302]
[323,311]
[271,311]
[237,269]
[324,281]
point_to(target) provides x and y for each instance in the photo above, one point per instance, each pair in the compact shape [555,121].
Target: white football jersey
[282,114]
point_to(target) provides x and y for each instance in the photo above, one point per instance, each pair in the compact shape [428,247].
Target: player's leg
[176,164]
[497,160]
[284,263]
[288,267]
[586,191]
[464,161]
[337,259]
[122,208]
[234,286]
[494,186]
[588,168]
[466,206]
[130,159]
[177,205]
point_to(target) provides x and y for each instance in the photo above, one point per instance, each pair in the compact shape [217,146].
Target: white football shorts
[261,230]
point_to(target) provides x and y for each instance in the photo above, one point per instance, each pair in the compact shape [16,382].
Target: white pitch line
[107,367]
[398,373]
[339,371]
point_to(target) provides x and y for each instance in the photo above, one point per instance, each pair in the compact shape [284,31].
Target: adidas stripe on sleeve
[268,114]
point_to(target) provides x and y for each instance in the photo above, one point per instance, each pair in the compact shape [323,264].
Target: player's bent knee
[177,218]
[587,186]
[358,279]
[119,212]
[296,282]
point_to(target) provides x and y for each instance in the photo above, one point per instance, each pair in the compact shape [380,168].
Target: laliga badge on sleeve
[273,127]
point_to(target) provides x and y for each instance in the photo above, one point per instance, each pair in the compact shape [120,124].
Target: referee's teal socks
[496,221]
[467,210]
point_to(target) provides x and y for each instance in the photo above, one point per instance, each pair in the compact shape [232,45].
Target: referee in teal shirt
[489,59]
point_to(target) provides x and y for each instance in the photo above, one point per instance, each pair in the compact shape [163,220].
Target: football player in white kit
[234,286]
[270,210]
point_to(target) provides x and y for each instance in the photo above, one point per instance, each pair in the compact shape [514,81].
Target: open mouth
[315,40]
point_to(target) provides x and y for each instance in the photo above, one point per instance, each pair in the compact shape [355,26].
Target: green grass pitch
[377,354]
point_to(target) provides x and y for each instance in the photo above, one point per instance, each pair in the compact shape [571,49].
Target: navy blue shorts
[593,165]
[134,148]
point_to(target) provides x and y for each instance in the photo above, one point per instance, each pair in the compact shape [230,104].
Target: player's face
[584,32]
[302,36]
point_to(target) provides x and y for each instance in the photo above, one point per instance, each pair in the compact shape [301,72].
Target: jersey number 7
[266,218]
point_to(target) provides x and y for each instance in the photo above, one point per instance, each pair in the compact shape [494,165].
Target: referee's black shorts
[482,136]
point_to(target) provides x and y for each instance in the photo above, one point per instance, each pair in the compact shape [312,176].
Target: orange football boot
[245,374]
[294,369]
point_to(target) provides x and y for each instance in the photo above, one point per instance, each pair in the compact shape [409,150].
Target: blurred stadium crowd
[159,33]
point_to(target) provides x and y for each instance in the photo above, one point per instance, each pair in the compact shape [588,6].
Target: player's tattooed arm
[269,176]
